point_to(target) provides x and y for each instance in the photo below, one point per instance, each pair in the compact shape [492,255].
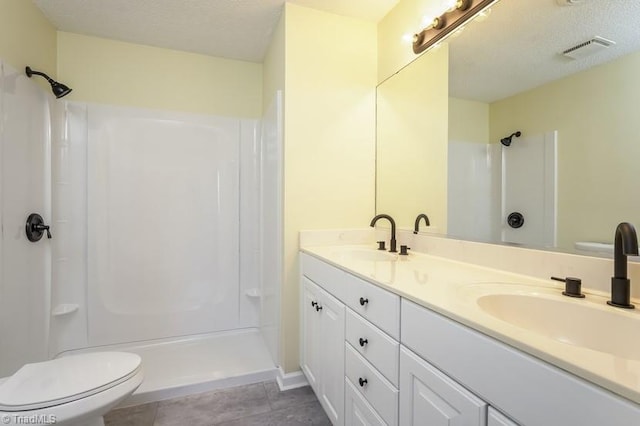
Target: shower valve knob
[515,220]
[35,228]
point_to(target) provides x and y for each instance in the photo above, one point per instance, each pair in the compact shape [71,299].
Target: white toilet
[73,390]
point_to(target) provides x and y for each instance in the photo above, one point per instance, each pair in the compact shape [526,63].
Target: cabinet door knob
[318,307]
[363,342]
[362,382]
[363,301]
[314,303]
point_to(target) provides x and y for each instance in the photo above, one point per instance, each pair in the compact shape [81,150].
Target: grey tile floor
[258,404]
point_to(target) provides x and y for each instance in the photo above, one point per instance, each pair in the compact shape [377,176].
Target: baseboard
[291,380]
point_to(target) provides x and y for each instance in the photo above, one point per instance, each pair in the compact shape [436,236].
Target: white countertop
[451,289]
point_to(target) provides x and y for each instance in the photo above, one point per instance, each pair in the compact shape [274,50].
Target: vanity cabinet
[363,356]
[322,355]
[375,358]
[429,397]
[357,411]
[496,418]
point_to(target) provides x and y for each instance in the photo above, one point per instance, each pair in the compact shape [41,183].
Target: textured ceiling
[234,29]
[518,46]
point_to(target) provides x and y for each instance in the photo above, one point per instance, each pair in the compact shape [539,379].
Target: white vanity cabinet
[496,418]
[375,358]
[363,356]
[322,355]
[357,411]
[429,397]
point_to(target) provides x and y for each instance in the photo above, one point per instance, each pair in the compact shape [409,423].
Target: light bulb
[427,20]
[450,5]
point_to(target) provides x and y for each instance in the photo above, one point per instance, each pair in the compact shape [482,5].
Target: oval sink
[583,324]
[364,254]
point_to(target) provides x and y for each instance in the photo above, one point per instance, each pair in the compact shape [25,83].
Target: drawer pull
[318,308]
[363,342]
[362,382]
[314,303]
[363,301]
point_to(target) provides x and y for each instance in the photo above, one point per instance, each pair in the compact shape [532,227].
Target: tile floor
[258,404]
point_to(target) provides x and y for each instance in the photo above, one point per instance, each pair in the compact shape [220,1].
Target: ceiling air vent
[588,48]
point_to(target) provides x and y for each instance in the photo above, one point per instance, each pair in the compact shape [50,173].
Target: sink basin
[364,254]
[580,323]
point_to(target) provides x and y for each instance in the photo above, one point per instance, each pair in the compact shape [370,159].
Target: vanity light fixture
[456,14]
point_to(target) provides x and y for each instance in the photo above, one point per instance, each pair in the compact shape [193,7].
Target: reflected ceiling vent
[588,48]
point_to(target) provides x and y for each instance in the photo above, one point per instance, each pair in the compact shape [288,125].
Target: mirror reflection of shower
[507,141]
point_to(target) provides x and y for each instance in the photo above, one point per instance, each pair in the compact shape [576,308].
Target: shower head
[507,141]
[59,90]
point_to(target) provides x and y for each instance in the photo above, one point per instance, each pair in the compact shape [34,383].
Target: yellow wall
[329,167]
[394,51]
[412,141]
[596,115]
[113,72]
[468,121]
[26,37]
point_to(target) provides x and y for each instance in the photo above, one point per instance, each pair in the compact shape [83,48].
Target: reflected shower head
[507,141]
[59,90]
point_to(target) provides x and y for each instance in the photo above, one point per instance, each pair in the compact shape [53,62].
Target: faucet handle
[381,245]
[403,250]
[572,286]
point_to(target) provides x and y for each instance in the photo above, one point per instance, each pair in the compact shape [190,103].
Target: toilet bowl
[75,390]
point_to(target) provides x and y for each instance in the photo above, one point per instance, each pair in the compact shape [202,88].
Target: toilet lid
[66,379]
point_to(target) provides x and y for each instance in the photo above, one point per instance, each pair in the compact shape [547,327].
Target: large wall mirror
[523,128]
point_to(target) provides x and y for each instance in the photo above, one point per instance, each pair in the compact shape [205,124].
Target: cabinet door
[496,418]
[310,350]
[357,411]
[331,353]
[428,397]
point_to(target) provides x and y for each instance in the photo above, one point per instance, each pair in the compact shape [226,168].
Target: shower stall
[160,220]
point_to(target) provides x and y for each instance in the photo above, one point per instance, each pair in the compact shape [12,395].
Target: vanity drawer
[328,277]
[377,347]
[357,411]
[377,305]
[377,390]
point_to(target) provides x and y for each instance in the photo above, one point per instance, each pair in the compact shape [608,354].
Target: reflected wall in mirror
[572,173]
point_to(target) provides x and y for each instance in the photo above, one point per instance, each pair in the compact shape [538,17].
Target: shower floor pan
[187,365]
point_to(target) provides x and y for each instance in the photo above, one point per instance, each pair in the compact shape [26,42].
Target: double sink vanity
[423,339]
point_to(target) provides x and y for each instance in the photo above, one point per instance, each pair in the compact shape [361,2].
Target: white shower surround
[159,217]
[162,221]
[25,267]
